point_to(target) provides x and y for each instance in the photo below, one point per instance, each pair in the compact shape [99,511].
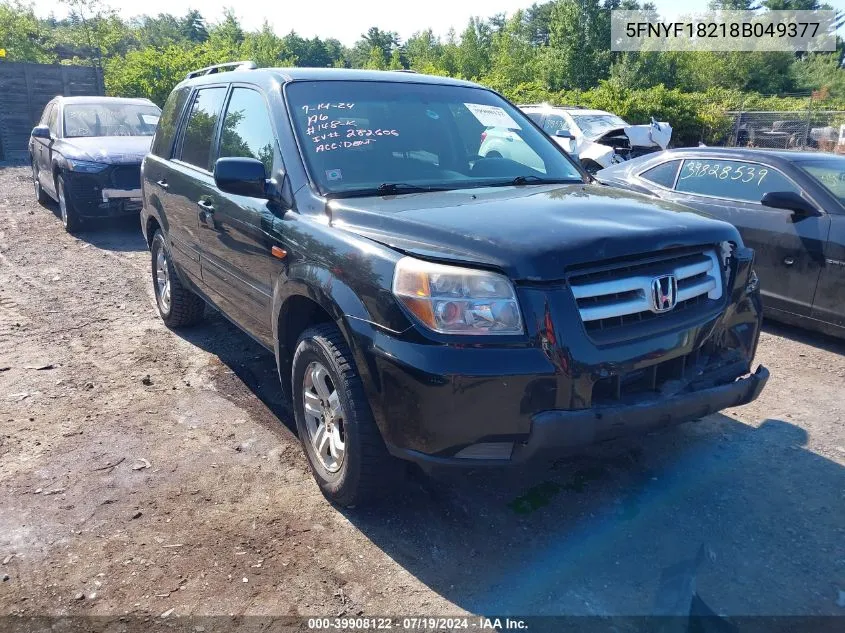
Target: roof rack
[210,70]
[405,70]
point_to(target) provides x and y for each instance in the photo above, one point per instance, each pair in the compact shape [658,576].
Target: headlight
[85,166]
[453,300]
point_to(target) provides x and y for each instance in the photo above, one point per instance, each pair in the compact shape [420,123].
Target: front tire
[342,442]
[70,218]
[177,305]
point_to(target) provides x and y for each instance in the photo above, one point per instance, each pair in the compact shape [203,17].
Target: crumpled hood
[117,150]
[651,135]
[530,233]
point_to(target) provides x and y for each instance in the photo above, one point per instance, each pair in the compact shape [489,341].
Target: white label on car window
[150,119]
[492,116]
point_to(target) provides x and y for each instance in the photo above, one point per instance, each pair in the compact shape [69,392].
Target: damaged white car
[597,138]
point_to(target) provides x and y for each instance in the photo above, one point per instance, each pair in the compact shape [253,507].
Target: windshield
[828,172]
[596,124]
[110,119]
[358,136]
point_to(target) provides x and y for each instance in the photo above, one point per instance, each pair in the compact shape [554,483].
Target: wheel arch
[309,296]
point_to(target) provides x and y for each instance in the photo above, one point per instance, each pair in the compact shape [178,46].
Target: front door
[789,249]
[236,250]
[829,304]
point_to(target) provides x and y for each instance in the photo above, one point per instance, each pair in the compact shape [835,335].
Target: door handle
[162,183]
[789,261]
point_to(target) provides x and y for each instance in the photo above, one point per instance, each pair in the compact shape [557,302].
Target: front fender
[325,289]
[596,152]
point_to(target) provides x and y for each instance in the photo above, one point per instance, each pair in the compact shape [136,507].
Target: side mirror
[790,201]
[563,134]
[41,131]
[241,176]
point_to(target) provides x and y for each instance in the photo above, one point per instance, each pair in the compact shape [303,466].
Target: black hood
[116,150]
[530,233]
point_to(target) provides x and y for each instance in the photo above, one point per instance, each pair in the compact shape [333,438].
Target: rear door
[187,177]
[236,260]
[47,150]
[41,150]
[789,250]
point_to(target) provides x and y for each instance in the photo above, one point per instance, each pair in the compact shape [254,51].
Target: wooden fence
[24,91]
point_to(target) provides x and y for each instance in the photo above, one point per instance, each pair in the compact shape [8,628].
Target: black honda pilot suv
[425,303]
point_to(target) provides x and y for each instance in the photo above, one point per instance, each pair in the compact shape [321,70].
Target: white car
[597,138]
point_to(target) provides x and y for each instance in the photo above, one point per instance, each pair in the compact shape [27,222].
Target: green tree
[473,53]
[266,48]
[578,55]
[514,60]
[22,35]
[192,27]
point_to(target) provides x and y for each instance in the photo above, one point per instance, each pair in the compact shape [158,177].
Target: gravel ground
[147,472]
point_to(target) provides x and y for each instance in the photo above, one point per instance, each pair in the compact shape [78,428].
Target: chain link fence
[814,127]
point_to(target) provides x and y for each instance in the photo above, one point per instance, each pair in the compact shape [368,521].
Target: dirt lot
[146,472]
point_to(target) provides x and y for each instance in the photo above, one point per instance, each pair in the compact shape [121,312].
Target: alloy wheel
[324,417]
[162,281]
[60,192]
[35,182]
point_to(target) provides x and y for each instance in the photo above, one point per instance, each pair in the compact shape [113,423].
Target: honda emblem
[664,293]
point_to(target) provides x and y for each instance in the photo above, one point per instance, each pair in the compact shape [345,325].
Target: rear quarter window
[166,130]
[734,180]
[662,174]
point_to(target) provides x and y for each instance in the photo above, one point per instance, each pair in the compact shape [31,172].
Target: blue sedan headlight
[85,166]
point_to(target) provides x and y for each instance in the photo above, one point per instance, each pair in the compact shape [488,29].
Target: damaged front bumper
[113,192]
[563,387]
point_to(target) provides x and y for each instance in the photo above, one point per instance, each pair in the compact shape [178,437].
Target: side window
[554,122]
[200,126]
[535,116]
[247,130]
[166,129]
[45,116]
[731,179]
[53,120]
[662,174]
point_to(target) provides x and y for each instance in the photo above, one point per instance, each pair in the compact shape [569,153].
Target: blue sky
[345,19]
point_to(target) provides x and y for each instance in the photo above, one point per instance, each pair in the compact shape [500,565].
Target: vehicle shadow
[742,520]
[248,365]
[717,517]
[802,335]
[111,234]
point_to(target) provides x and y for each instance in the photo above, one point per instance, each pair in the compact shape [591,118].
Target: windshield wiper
[531,179]
[392,188]
[387,189]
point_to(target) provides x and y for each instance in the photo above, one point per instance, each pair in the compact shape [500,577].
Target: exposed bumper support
[559,430]
[113,194]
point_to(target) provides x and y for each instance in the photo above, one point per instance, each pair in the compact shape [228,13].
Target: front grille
[126,176]
[618,294]
[83,189]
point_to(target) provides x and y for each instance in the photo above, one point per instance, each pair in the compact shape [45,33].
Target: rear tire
[351,463]
[177,305]
[70,218]
[40,194]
